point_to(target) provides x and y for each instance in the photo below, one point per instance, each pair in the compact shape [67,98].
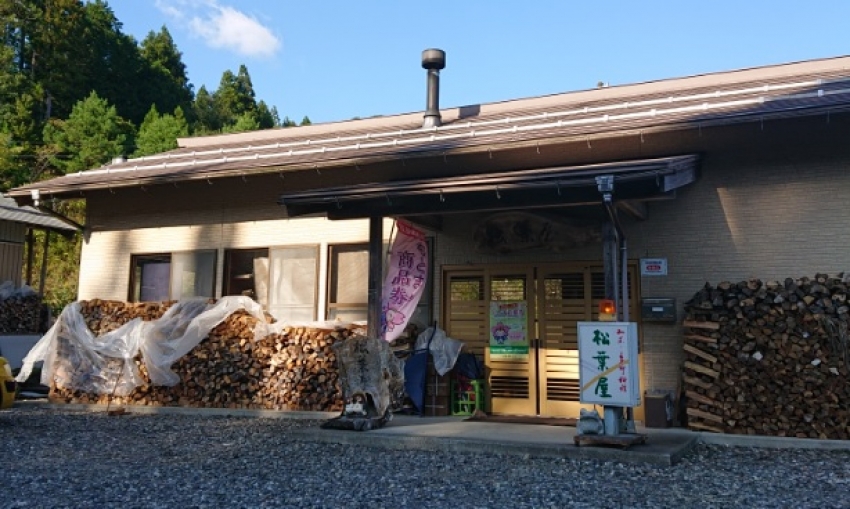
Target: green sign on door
[508,338]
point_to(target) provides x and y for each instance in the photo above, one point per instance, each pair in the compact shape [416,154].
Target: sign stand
[608,375]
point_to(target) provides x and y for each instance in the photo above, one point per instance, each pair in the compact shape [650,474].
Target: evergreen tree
[306,121]
[159,133]
[112,63]
[266,119]
[245,122]
[56,54]
[20,122]
[207,117]
[92,135]
[164,73]
[235,96]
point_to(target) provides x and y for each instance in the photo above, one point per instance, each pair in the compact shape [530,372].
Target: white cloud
[169,9]
[223,27]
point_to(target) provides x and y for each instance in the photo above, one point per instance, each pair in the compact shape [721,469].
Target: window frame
[228,279]
[332,280]
[132,296]
[316,274]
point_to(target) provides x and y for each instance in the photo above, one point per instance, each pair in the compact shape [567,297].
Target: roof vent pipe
[433,60]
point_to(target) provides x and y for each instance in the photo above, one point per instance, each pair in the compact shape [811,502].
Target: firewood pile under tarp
[20,309]
[239,359]
[769,358]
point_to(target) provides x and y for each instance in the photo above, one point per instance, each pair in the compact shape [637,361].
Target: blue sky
[340,59]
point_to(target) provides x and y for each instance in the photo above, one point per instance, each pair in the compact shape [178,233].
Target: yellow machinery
[8,385]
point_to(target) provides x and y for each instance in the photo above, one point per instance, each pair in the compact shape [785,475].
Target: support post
[44,263]
[609,260]
[376,237]
[30,255]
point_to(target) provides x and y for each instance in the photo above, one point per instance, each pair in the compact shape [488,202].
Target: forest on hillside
[76,91]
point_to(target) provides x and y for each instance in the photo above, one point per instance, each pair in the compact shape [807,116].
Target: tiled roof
[10,211]
[795,89]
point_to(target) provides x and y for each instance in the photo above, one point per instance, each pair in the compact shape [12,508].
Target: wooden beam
[637,209]
[693,324]
[44,262]
[376,238]
[704,339]
[702,369]
[703,415]
[699,353]
[30,255]
[706,427]
[699,398]
[696,381]
[433,223]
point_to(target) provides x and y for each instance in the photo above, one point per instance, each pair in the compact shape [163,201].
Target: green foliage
[92,135]
[245,122]
[266,118]
[159,133]
[73,87]
[63,261]
[232,107]
[306,121]
[167,85]
[207,117]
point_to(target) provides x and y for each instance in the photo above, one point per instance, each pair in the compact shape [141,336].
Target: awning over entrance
[535,188]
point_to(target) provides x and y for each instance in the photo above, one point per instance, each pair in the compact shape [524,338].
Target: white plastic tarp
[8,290]
[74,358]
[444,350]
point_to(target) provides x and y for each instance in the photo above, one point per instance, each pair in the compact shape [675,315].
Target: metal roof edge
[614,92]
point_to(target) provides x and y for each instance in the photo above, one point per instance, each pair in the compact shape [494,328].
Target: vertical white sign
[608,363]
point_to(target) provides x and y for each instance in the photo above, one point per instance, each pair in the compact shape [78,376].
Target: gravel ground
[62,458]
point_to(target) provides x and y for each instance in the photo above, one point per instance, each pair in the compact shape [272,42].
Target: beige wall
[105,262]
[770,203]
[768,210]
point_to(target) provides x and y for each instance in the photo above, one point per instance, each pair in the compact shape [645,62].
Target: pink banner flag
[406,276]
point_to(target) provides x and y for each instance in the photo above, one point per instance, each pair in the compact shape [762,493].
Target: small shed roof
[32,217]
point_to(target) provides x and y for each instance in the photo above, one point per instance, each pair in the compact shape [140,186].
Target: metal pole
[624,255]
[376,234]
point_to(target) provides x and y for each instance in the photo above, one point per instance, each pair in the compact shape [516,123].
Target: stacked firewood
[20,314]
[293,370]
[104,316]
[769,358]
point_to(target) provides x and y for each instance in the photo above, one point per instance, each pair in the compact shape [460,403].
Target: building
[16,231]
[722,176]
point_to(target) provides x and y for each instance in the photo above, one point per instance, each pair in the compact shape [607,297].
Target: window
[150,278]
[293,279]
[283,280]
[348,293]
[507,288]
[466,288]
[171,276]
[246,272]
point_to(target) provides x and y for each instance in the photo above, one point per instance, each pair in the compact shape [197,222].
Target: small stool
[467,396]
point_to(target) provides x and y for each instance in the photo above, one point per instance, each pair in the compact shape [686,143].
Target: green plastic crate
[467,397]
